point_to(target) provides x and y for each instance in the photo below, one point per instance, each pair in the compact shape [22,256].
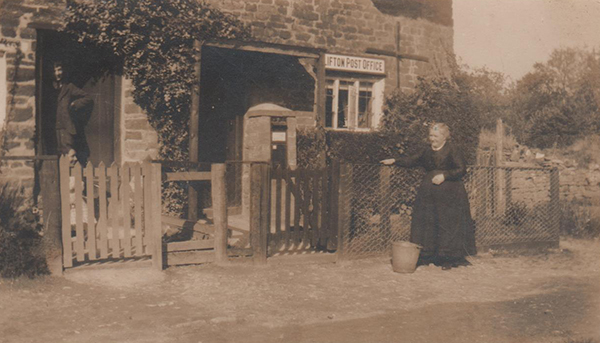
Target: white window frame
[3,90]
[376,88]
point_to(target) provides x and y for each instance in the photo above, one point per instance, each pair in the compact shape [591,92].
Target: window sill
[356,129]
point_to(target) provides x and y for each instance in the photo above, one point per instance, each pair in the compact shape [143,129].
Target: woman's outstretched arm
[412,160]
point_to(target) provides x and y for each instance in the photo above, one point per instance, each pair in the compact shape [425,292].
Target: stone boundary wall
[579,184]
[530,187]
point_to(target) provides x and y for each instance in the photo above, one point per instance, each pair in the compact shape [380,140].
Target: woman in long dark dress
[441,220]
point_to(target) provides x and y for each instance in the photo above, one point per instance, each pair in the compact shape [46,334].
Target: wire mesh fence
[508,205]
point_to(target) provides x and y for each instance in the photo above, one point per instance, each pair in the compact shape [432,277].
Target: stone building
[310,63]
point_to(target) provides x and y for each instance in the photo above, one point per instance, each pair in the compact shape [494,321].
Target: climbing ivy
[153,40]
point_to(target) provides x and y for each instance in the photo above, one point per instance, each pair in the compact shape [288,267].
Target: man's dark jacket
[72,108]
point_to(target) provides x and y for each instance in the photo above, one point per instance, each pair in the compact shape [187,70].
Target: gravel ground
[551,296]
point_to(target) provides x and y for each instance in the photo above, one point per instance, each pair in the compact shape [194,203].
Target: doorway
[93,71]
[233,81]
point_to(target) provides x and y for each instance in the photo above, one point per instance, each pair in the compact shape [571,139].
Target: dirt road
[551,297]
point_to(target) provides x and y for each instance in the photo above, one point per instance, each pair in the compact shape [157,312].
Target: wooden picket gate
[300,216]
[110,213]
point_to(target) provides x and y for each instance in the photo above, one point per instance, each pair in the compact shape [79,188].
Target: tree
[559,100]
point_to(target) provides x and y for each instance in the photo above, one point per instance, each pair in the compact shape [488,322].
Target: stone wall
[530,187]
[18,44]
[580,184]
[139,141]
[18,22]
[347,27]
[338,26]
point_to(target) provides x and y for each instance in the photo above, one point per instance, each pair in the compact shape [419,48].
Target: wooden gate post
[343,211]
[555,205]
[65,210]
[385,189]
[50,189]
[156,206]
[260,193]
[219,203]
[500,173]
[193,133]
[332,227]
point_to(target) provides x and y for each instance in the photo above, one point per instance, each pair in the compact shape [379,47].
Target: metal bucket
[405,256]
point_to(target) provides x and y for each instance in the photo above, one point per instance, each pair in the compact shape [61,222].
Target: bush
[437,99]
[20,239]
[311,147]
[318,147]
[576,220]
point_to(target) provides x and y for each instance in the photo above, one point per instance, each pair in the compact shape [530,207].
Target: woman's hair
[443,128]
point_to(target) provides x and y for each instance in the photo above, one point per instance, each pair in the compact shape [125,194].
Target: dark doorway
[232,81]
[95,73]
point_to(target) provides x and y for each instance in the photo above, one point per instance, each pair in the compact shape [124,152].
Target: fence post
[343,211]
[65,209]
[500,173]
[385,175]
[260,191]
[193,132]
[332,226]
[157,247]
[50,189]
[219,203]
[508,189]
[555,203]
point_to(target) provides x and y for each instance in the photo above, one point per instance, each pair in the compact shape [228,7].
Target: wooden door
[100,129]
[88,70]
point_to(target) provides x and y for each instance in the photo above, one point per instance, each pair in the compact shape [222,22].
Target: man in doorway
[73,108]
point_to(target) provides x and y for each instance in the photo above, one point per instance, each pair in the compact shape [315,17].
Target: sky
[509,36]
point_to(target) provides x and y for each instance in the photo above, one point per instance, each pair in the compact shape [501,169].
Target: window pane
[343,108]
[365,99]
[329,108]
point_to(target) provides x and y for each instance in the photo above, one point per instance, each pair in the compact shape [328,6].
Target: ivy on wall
[154,39]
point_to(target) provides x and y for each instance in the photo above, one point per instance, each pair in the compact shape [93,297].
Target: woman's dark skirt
[441,221]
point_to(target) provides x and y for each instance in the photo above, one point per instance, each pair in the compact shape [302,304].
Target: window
[349,104]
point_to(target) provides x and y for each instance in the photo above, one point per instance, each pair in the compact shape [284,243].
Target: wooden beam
[260,182]
[188,176]
[190,257]
[50,188]
[344,209]
[321,91]
[280,49]
[156,230]
[30,158]
[65,209]
[196,226]
[219,204]
[398,38]
[194,129]
[191,245]
[397,55]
